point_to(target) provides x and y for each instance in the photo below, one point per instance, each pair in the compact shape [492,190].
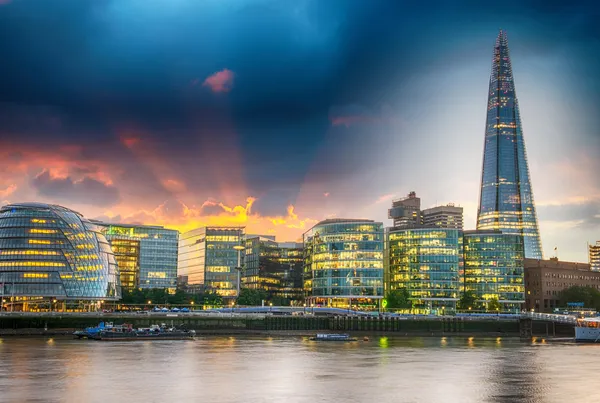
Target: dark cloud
[86,191]
[587,213]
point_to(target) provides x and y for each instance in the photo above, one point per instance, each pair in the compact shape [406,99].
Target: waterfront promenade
[281,320]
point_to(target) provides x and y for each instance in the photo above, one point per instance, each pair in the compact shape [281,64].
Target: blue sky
[277,114]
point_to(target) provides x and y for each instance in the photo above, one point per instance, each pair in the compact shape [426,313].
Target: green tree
[211,298]
[251,297]
[468,300]
[280,301]
[399,299]
[494,305]
[588,295]
[179,298]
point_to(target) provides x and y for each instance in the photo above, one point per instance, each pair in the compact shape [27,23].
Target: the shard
[506,201]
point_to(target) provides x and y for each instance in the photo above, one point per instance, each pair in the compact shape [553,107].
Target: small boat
[588,330]
[332,337]
[126,332]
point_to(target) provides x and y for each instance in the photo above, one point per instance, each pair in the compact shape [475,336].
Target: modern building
[146,255]
[493,268]
[427,262]
[49,253]
[406,212]
[506,200]
[449,216]
[343,263]
[275,267]
[211,259]
[545,279]
[594,252]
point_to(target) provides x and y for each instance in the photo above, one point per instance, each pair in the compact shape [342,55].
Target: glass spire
[506,201]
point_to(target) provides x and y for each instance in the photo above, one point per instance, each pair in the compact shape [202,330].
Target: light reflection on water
[288,370]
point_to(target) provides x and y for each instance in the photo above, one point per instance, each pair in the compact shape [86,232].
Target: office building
[275,267]
[209,258]
[448,216]
[49,253]
[406,212]
[594,252]
[545,279]
[506,200]
[493,268]
[344,263]
[427,262]
[146,255]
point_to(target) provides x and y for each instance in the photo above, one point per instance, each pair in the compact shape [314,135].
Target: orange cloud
[8,191]
[177,215]
[221,81]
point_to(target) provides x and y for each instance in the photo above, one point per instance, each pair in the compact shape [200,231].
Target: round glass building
[49,252]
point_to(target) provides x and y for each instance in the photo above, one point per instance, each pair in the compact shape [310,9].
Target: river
[287,370]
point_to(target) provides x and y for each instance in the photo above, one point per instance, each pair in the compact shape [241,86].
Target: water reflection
[255,369]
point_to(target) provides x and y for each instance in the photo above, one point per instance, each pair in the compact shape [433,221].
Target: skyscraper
[448,216]
[506,200]
[406,212]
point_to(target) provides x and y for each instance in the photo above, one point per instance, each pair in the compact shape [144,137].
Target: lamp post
[239,249]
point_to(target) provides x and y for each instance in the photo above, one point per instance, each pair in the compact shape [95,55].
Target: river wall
[57,324]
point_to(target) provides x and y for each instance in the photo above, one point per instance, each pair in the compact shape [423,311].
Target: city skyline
[144,120]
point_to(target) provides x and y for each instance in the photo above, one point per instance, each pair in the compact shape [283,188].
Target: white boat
[588,330]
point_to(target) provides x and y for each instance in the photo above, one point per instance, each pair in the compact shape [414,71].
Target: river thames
[287,370]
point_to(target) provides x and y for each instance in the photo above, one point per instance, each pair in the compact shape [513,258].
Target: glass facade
[494,267]
[428,263]
[208,258]
[127,254]
[344,261]
[157,250]
[506,200]
[48,251]
[274,267]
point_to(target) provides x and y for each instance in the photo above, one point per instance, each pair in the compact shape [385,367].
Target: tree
[493,305]
[280,301]
[588,295]
[251,297]
[468,300]
[399,299]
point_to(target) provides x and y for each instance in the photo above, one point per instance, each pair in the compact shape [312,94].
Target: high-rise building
[146,255]
[594,251]
[344,263]
[493,268]
[506,201]
[49,255]
[427,262]
[406,212]
[209,257]
[275,267]
[448,216]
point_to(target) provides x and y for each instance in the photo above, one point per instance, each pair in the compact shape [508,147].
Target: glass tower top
[506,200]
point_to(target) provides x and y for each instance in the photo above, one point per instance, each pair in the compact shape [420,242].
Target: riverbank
[45,325]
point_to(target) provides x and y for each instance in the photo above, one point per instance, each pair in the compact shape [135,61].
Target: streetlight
[239,249]
[270,306]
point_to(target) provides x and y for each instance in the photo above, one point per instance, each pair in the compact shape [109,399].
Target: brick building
[545,279]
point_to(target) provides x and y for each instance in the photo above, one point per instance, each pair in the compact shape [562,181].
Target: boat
[588,330]
[126,332]
[332,337]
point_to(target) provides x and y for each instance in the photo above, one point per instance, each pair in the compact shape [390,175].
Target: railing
[550,317]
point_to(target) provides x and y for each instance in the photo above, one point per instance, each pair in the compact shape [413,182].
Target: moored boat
[333,337]
[588,330]
[126,332]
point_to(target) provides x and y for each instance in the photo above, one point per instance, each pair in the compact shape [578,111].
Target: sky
[276,114]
